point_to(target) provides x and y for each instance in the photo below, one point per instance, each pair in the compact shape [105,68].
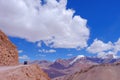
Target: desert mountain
[96,72]
[62,67]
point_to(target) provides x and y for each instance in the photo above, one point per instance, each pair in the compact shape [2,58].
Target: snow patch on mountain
[78,57]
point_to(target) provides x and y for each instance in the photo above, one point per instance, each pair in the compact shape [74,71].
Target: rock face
[98,72]
[8,51]
[22,72]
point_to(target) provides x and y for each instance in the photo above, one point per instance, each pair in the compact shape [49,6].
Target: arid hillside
[98,72]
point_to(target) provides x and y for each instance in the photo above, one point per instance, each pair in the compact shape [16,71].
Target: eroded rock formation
[8,51]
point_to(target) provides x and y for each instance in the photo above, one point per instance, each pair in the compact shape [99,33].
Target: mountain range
[95,72]
[64,67]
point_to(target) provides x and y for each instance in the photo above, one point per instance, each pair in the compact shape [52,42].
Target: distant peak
[78,57]
[112,56]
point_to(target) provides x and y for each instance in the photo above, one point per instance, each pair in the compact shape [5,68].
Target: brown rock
[8,51]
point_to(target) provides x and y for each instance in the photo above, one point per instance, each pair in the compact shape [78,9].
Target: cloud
[109,54]
[20,51]
[117,46]
[47,51]
[40,55]
[50,22]
[24,57]
[39,44]
[69,54]
[104,49]
[99,46]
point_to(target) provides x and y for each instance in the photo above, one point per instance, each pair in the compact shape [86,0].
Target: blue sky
[103,17]
[103,22]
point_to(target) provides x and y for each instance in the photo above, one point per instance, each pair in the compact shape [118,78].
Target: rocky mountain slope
[8,51]
[96,72]
[62,67]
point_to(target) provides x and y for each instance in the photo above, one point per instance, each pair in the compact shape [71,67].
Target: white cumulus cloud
[104,49]
[117,46]
[52,23]
[24,57]
[47,51]
[99,46]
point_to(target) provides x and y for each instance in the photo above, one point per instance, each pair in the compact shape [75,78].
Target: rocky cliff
[8,51]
